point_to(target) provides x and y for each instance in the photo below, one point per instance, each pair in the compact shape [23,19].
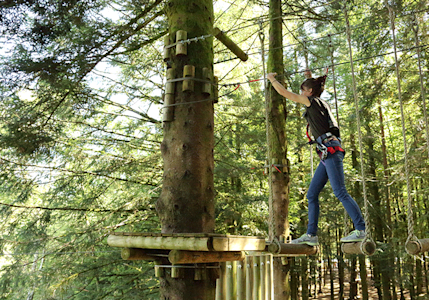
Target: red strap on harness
[308,135]
[331,150]
[334,149]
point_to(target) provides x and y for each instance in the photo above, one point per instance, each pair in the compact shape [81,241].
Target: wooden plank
[196,257]
[230,293]
[249,277]
[224,39]
[256,278]
[141,254]
[292,249]
[159,272]
[157,242]
[416,247]
[159,234]
[241,280]
[234,243]
[366,248]
[425,244]
[263,263]
[186,241]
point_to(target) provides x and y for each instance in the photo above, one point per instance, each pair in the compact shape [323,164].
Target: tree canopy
[81,95]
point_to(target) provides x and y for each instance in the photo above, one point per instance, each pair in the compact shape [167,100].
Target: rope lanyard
[331,49]
[271,233]
[365,198]
[310,145]
[422,89]
[410,219]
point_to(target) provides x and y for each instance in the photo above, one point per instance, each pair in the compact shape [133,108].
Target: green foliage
[80,100]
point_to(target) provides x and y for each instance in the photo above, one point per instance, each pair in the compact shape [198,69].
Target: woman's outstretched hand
[271,76]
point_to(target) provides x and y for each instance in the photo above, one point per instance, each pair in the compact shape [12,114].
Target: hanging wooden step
[288,249]
[417,246]
[366,248]
[186,241]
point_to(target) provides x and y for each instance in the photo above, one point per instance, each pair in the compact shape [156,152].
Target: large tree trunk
[357,194]
[353,290]
[363,276]
[186,204]
[278,149]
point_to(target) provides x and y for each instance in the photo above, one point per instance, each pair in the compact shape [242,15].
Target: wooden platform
[186,241]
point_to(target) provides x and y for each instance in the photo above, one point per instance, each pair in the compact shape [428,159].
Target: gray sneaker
[354,236]
[306,239]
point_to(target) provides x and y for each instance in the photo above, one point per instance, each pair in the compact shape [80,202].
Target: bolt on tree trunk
[186,203]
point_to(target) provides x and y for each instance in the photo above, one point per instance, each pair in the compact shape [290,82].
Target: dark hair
[318,85]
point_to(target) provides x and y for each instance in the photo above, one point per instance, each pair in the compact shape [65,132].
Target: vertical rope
[331,48]
[365,198]
[422,89]
[404,137]
[304,43]
[271,228]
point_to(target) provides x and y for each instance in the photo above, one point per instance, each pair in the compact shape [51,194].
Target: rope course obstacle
[367,247]
[203,251]
[413,245]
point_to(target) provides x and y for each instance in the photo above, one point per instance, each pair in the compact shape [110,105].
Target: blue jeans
[331,168]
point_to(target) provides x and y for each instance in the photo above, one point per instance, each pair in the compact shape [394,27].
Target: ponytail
[322,80]
[317,85]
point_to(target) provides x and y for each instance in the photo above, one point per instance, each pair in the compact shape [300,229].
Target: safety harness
[321,149]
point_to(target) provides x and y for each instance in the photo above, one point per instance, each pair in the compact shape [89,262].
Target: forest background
[81,97]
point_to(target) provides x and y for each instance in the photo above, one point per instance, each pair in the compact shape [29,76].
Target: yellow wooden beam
[160,242]
[197,257]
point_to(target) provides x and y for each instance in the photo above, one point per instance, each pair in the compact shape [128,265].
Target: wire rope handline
[367,245]
[314,39]
[267,124]
[413,245]
[324,67]
[310,146]
[422,89]
[331,52]
[260,19]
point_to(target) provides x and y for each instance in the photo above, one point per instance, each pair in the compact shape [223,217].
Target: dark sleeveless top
[320,118]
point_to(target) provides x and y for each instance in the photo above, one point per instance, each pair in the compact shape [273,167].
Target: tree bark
[341,267]
[363,276]
[187,148]
[278,148]
[353,284]
[304,279]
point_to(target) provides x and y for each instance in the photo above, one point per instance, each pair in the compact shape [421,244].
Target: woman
[327,135]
